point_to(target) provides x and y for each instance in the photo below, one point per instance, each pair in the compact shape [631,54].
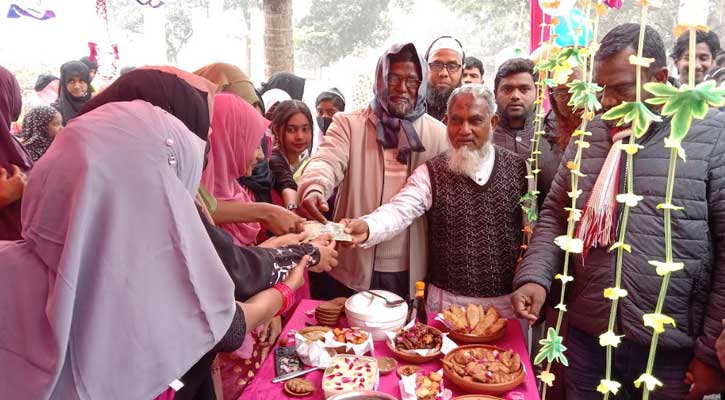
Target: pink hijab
[237,128]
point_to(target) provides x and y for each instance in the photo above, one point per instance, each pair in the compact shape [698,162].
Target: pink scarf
[597,227]
[237,129]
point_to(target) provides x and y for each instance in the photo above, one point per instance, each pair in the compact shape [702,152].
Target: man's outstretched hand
[528,300]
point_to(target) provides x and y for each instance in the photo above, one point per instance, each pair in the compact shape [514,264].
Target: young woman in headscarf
[234,149]
[88,294]
[231,79]
[40,126]
[92,70]
[290,83]
[45,90]
[292,127]
[277,219]
[272,98]
[186,96]
[14,160]
[74,93]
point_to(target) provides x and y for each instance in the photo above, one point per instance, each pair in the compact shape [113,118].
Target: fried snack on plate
[472,316]
[459,324]
[428,386]
[313,333]
[495,327]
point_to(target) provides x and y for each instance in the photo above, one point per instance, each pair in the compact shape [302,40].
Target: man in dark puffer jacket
[696,295]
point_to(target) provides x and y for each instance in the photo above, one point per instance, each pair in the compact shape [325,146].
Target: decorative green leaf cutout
[552,349]
[635,113]
[685,103]
[584,95]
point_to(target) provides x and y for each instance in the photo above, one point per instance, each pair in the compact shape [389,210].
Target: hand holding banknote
[358,229]
[337,231]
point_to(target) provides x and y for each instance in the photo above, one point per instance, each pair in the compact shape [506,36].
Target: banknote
[336,230]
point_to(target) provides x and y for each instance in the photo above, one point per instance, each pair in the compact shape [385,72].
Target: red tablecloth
[262,387]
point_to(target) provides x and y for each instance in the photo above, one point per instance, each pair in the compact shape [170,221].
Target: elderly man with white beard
[471,195]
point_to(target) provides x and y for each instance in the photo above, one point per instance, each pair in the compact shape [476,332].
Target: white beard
[466,161]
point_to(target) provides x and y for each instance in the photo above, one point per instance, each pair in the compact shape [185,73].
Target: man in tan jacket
[368,155]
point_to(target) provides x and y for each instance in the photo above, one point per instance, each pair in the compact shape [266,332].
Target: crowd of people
[156,226]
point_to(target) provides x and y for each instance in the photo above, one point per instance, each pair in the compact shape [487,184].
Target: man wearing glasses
[445,62]
[368,155]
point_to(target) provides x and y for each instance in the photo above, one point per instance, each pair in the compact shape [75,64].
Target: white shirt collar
[483,172]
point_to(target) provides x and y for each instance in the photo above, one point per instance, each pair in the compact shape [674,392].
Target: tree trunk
[278,44]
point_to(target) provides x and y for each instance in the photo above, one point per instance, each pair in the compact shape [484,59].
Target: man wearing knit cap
[445,61]
[367,155]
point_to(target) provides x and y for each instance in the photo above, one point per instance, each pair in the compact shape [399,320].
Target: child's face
[55,125]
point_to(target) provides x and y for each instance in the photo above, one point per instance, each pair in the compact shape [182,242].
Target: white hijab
[115,290]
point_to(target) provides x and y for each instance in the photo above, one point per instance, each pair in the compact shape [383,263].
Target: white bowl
[370,313]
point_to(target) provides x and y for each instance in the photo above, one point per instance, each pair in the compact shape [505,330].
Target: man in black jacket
[696,295]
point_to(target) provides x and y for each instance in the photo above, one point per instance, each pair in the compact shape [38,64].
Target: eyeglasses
[559,94]
[450,67]
[410,82]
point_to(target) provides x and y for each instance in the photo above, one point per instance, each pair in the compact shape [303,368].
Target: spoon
[388,303]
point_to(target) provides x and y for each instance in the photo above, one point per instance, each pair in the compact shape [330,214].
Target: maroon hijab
[11,152]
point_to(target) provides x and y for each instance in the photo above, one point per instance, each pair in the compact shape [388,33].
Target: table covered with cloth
[262,387]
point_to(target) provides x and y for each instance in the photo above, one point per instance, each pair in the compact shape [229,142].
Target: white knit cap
[445,43]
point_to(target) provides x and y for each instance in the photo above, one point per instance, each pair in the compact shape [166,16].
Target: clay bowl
[386,365]
[477,387]
[415,358]
[475,339]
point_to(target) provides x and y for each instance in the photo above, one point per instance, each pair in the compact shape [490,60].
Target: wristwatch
[291,207]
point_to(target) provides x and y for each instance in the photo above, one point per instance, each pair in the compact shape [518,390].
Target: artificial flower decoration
[650,382]
[547,377]
[561,307]
[552,349]
[629,148]
[613,3]
[672,144]
[610,339]
[621,245]
[664,268]
[694,15]
[600,9]
[576,194]
[608,386]
[671,207]
[635,113]
[584,96]
[643,62]
[649,3]
[570,244]
[574,214]
[657,321]
[685,103]
[557,7]
[564,278]
[630,199]
[614,293]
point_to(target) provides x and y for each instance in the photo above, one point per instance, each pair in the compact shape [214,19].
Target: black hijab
[162,89]
[67,104]
[395,132]
[91,64]
[43,81]
[290,83]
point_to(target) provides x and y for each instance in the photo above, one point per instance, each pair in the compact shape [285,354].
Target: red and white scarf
[597,227]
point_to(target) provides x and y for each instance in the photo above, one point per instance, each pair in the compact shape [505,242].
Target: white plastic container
[370,313]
